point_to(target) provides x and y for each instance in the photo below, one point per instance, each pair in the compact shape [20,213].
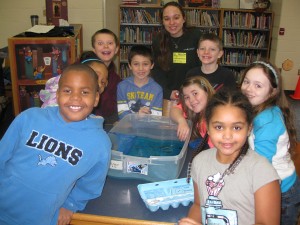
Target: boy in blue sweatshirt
[139,93]
[54,159]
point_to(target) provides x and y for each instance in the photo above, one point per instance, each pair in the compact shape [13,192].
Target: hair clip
[202,83]
[270,67]
[92,59]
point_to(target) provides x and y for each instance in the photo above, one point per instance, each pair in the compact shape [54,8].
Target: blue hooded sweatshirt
[47,163]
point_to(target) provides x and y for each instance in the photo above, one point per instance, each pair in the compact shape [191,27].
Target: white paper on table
[40,29]
[63,23]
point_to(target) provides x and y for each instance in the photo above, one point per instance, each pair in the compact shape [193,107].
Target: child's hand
[183,130]
[64,217]
[144,110]
[174,95]
[188,221]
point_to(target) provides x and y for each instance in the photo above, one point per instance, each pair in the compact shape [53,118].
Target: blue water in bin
[146,147]
[125,142]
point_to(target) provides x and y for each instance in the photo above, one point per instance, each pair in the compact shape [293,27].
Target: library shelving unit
[205,19]
[246,34]
[138,24]
[34,60]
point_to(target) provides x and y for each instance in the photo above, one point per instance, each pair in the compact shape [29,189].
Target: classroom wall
[287,46]
[15,17]
[93,14]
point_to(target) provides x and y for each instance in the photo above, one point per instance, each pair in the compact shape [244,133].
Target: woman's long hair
[164,57]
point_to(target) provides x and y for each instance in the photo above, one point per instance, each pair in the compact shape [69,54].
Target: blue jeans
[290,204]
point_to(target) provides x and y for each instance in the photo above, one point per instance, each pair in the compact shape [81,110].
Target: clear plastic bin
[146,147]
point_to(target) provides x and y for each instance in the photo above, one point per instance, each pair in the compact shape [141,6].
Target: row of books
[141,35]
[197,17]
[240,58]
[247,20]
[209,30]
[244,39]
[124,71]
[139,16]
[124,50]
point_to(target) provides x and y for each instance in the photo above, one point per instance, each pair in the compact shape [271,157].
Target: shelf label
[116,165]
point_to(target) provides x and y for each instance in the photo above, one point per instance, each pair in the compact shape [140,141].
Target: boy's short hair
[211,37]
[140,50]
[104,31]
[83,68]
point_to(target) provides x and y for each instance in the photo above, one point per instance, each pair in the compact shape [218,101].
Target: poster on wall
[246,4]
[55,10]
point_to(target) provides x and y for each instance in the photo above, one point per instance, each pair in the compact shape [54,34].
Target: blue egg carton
[168,193]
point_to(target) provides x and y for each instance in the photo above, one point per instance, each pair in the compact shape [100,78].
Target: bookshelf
[246,34]
[208,20]
[138,24]
[34,60]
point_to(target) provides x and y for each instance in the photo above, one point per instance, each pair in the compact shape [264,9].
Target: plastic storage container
[164,194]
[146,147]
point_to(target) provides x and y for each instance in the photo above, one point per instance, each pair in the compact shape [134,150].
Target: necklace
[230,169]
[213,186]
[176,43]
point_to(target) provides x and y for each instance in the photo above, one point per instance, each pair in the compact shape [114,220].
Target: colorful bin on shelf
[146,147]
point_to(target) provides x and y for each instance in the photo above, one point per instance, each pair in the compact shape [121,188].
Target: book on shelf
[124,71]
[242,58]
[261,42]
[243,39]
[263,21]
[239,20]
[207,19]
[196,17]
[147,17]
[215,19]
[124,52]
[247,20]
[142,35]
[139,16]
